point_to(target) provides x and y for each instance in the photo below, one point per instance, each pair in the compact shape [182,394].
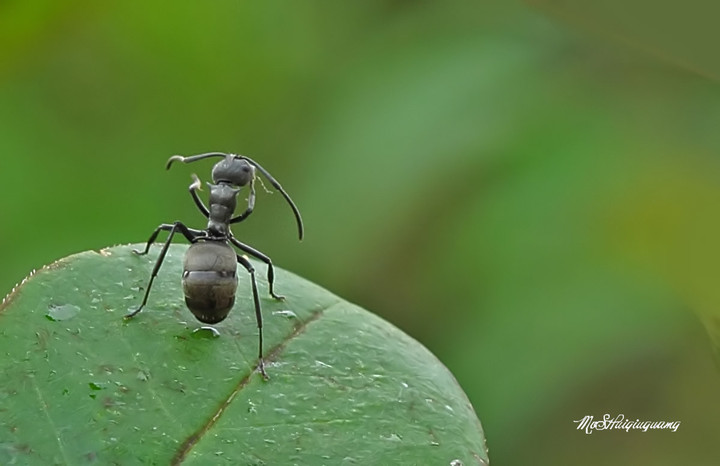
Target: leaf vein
[44,406]
[271,355]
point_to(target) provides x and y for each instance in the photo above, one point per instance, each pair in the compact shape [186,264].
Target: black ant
[209,269]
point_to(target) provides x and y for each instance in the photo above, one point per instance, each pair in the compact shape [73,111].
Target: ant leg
[189,234]
[259,255]
[250,207]
[193,188]
[152,238]
[258,315]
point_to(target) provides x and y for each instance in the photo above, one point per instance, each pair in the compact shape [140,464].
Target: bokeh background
[531,190]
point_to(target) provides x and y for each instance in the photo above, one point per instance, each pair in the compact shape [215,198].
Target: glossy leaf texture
[80,384]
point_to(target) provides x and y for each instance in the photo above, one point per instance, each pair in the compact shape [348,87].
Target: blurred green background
[531,190]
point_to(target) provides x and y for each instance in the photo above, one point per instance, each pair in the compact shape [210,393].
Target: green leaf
[81,384]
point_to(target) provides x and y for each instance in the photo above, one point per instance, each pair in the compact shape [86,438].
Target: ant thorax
[223,200]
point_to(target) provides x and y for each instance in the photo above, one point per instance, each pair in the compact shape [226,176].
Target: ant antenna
[273,181]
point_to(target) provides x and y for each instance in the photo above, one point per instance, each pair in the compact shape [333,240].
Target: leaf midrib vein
[50,420]
[270,355]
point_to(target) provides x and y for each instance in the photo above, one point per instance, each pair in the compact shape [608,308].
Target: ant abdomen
[210,280]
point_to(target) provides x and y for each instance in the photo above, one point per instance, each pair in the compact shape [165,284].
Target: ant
[209,268]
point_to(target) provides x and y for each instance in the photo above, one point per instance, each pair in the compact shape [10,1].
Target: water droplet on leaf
[205,332]
[63,312]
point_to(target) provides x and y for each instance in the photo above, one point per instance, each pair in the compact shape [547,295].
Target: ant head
[239,170]
[233,170]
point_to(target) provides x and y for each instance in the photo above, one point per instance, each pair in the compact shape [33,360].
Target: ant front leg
[250,207]
[190,235]
[258,314]
[193,188]
[259,255]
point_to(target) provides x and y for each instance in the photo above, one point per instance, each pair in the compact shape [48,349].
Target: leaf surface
[80,384]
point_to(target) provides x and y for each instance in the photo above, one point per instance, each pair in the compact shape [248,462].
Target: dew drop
[63,312]
[205,332]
